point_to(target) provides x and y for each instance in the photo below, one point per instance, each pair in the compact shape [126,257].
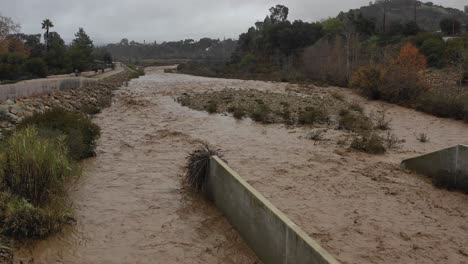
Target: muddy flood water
[131,208]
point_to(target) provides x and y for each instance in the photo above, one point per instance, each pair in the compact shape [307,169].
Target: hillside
[428,15]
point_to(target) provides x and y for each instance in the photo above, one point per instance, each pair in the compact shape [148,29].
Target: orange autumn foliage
[411,58]
[13,45]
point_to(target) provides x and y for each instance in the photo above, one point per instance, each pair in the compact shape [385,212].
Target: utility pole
[415,11]
[384,16]
[453,26]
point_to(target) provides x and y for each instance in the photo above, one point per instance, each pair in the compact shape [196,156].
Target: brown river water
[131,208]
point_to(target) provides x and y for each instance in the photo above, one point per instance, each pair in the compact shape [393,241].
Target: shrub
[238,112]
[81,133]
[423,138]
[136,71]
[354,121]
[401,84]
[21,219]
[35,168]
[261,113]
[312,115]
[369,142]
[434,49]
[443,105]
[36,67]
[367,81]
[197,168]
[392,141]
[212,107]
[381,121]
[316,135]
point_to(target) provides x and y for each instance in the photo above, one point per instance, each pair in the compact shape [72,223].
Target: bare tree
[7,27]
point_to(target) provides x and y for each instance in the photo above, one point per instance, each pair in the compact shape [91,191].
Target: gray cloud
[158,20]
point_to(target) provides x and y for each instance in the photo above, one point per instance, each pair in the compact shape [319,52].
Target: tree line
[24,56]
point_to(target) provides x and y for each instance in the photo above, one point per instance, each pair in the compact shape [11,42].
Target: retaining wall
[453,161]
[269,233]
[38,87]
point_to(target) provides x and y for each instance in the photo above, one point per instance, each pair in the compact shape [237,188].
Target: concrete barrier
[38,87]
[271,235]
[451,162]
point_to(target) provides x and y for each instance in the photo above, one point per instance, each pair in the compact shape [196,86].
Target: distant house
[449,38]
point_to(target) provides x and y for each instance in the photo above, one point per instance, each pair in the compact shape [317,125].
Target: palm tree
[47,24]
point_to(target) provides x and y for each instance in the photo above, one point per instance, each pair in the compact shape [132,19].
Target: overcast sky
[163,20]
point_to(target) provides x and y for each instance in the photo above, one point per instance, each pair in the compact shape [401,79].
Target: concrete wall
[271,235]
[38,87]
[451,160]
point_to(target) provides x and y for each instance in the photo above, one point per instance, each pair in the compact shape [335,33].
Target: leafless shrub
[382,122]
[392,141]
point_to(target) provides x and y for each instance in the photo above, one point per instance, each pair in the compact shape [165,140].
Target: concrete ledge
[38,87]
[451,161]
[271,235]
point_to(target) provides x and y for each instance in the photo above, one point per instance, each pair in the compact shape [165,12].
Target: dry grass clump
[423,138]
[197,167]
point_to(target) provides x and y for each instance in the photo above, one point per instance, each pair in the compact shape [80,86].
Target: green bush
[312,115]
[21,219]
[434,49]
[261,113]
[443,105]
[81,133]
[136,71]
[37,67]
[35,168]
[212,107]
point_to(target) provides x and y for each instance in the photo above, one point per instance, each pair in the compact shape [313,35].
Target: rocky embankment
[88,100]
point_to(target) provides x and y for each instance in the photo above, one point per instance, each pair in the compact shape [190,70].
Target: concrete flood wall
[269,233]
[453,161]
[38,87]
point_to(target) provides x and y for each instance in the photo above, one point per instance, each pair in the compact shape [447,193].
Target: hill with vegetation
[427,15]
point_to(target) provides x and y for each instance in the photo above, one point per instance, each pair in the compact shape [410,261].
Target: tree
[279,13]
[7,26]
[411,58]
[55,57]
[33,43]
[47,24]
[434,50]
[332,26]
[81,51]
[450,26]
[124,42]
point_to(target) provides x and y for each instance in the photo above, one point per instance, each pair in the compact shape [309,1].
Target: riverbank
[89,99]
